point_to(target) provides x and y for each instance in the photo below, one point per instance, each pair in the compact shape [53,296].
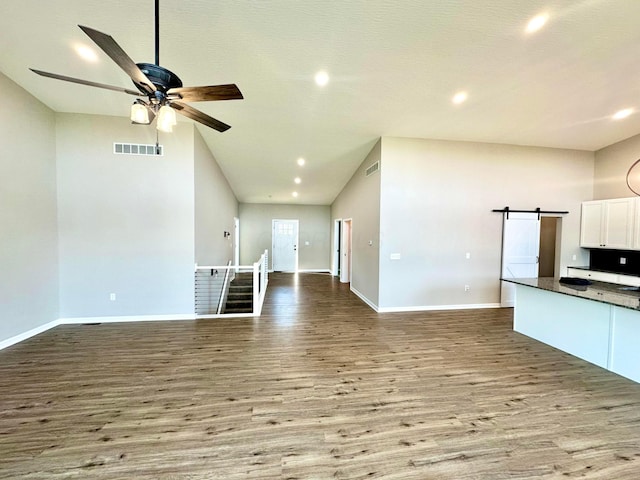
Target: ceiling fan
[162,88]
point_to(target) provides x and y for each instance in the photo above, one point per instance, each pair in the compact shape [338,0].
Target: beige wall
[360,201]
[436,202]
[126,222]
[215,208]
[313,232]
[611,166]
[28,230]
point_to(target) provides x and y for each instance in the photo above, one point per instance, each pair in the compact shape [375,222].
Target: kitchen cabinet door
[593,275]
[636,225]
[618,223]
[591,224]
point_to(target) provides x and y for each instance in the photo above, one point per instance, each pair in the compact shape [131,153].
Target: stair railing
[260,280]
[212,289]
[225,289]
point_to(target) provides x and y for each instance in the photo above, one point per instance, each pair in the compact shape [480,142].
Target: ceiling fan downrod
[157,32]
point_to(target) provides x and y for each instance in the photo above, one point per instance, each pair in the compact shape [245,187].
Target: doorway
[284,251]
[345,250]
[337,234]
[549,242]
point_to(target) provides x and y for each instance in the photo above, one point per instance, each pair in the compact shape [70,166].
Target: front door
[520,250]
[284,253]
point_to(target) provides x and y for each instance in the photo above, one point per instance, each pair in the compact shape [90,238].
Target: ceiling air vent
[136,149]
[372,169]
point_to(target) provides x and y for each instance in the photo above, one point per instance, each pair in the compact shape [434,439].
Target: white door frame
[296,241]
[337,226]
[345,251]
[236,242]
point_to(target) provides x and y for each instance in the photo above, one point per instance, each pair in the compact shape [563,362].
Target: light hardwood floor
[319,387]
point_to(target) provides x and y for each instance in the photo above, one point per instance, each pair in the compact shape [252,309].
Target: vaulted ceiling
[394,67]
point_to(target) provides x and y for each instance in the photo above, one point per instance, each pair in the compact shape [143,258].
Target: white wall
[436,202]
[126,222]
[313,227]
[215,208]
[28,232]
[611,167]
[360,201]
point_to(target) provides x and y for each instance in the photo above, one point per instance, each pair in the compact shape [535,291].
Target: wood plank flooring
[319,387]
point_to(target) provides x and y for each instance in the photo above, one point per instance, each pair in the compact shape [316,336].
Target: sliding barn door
[520,251]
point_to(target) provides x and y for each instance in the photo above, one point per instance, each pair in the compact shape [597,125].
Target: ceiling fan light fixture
[139,114]
[159,85]
[166,119]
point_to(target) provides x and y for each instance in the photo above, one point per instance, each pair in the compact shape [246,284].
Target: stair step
[246,296]
[248,301]
[240,295]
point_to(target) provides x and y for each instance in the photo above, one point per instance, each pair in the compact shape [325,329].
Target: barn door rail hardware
[508,210]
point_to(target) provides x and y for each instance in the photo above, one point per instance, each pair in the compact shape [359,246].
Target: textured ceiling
[394,66]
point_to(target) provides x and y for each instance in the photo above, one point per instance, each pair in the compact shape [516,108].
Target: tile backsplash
[620,261]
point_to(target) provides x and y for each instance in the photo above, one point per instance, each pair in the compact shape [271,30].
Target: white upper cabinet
[591,224]
[636,226]
[609,224]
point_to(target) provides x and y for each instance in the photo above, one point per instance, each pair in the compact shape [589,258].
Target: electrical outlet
[623,261]
[574,258]
[112,297]
[468,255]
[466,288]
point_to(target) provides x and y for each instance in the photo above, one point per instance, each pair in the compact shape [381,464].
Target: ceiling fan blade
[208,93]
[118,55]
[86,82]
[199,116]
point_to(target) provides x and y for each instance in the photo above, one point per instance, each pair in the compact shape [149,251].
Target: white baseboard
[426,308]
[364,299]
[422,308]
[28,334]
[314,270]
[127,318]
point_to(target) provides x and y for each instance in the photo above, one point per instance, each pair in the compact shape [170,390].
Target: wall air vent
[136,149]
[372,169]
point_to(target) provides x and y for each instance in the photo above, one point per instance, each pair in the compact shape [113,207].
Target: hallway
[319,387]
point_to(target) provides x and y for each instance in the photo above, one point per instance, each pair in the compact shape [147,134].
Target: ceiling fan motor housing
[162,78]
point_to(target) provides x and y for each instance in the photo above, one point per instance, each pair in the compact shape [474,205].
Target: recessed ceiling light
[86,53]
[322,78]
[459,97]
[620,114]
[301,161]
[537,22]
[297,180]
[295,194]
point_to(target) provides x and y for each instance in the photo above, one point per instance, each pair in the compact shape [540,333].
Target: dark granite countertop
[610,293]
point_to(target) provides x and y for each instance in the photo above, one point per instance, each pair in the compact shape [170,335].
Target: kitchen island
[599,323]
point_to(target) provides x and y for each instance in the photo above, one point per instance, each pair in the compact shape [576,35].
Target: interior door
[284,252]
[520,251]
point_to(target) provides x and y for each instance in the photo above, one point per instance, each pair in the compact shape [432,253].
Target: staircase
[240,296]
